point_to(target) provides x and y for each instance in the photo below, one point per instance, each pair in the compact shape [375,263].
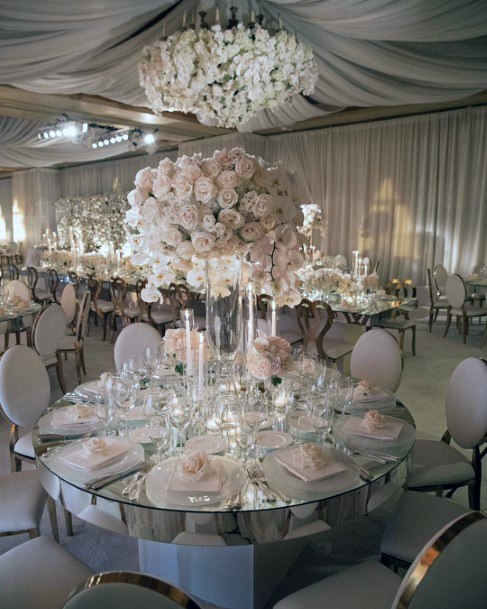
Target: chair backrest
[128,590]
[83,316]
[132,342]
[466,402]
[18,288]
[440,276]
[314,320]
[140,284]
[48,330]
[376,358]
[449,572]
[32,278]
[52,283]
[25,390]
[74,279]
[118,291]
[456,292]
[12,271]
[68,302]
[432,293]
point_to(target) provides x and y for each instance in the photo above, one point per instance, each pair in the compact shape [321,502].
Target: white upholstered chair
[128,590]
[456,294]
[440,275]
[376,358]
[39,574]
[437,303]
[69,303]
[47,335]
[19,289]
[133,340]
[449,572]
[25,394]
[75,343]
[437,466]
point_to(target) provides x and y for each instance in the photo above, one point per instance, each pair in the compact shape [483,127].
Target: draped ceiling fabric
[369,53]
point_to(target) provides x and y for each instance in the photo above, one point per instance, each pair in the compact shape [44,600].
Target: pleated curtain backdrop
[409,192]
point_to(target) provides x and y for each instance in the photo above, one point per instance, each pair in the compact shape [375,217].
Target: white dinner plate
[90,389]
[212,445]
[47,426]
[271,440]
[132,457]
[396,447]
[158,479]
[140,434]
[291,485]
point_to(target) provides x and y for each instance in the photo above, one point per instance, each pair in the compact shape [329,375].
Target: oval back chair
[69,303]
[47,335]
[376,358]
[132,342]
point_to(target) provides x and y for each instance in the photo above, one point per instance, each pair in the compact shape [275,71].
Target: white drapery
[409,192]
[6,209]
[373,52]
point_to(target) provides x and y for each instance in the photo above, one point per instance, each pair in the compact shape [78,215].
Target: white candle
[366,268]
[252,16]
[217,15]
[187,325]
[201,364]
[184,19]
[273,318]
[280,23]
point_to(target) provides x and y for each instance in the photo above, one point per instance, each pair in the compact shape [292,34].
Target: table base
[234,577]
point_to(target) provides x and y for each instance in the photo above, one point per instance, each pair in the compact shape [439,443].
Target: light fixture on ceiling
[230,73]
[95,135]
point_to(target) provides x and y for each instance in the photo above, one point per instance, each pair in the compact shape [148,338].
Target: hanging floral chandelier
[227,75]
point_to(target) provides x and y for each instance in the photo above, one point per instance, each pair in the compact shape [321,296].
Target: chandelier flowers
[226,75]
[196,209]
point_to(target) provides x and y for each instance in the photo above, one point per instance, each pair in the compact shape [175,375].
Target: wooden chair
[75,344]
[118,293]
[42,296]
[103,308]
[53,284]
[400,320]
[437,303]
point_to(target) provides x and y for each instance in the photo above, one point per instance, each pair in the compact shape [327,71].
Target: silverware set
[257,478]
[371,453]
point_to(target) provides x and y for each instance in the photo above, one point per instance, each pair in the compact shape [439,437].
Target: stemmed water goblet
[254,412]
[119,387]
[180,413]
[155,410]
[152,360]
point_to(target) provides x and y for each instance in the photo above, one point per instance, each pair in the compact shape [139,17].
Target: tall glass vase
[223,308]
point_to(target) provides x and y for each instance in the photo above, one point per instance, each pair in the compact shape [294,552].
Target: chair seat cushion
[162,316]
[22,501]
[397,324]
[105,306]
[131,312]
[39,574]
[24,446]
[436,463]
[470,311]
[416,518]
[368,585]
[334,349]
[43,295]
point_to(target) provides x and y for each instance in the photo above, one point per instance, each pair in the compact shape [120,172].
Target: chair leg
[51,506]
[82,355]
[430,320]
[448,322]
[401,340]
[413,340]
[33,533]
[104,332]
[15,463]
[78,365]
[465,329]
[6,340]
[69,522]
[60,372]
[17,337]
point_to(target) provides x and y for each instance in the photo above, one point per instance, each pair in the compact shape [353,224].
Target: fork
[260,485]
[258,474]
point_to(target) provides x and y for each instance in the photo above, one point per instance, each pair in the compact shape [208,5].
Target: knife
[96,483]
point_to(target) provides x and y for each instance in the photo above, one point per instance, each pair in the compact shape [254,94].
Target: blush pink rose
[228,179]
[161,186]
[251,231]
[185,250]
[183,186]
[263,205]
[188,217]
[210,168]
[166,167]
[245,167]
[227,197]
[144,178]
[203,242]
[223,158]
[204,189]
[172,236]
[231,218]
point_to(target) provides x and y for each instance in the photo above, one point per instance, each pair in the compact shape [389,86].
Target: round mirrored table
[200,541]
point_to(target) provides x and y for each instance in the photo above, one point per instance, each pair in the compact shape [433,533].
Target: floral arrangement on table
[326,281]
[194,209]
[226,75]
[57,258]
[313,220]
[93,261]
[98,219]
[269,357]
[369,283]
[175,348]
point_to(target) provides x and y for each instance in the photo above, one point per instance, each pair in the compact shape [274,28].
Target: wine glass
[322,419]
[244,438]
[152,360]
[159,435]
[346,387]
[254,412]
[180,412]
[120,388]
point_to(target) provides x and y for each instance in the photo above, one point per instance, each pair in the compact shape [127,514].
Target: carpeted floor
[423,390]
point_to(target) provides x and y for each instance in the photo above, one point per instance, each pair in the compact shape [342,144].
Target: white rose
[183,186]
[144,178]
[172,236]
[165,168]
[263,205]
[227,197]
[269,222]
[188,217]
[251,231]
[210,168]
[208,222]
[203,242]
[222,157]
[204,189]
[185,250]
[228,179]
[192,171]
[245,167]
[161,186]
[231,218]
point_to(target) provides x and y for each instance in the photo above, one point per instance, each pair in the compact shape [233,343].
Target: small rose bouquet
[269,357]
[175,348]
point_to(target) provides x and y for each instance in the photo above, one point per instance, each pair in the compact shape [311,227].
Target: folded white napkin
[74,416]
[310,467]
[97,452]
[196,473]
[366,392]
[390,430]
